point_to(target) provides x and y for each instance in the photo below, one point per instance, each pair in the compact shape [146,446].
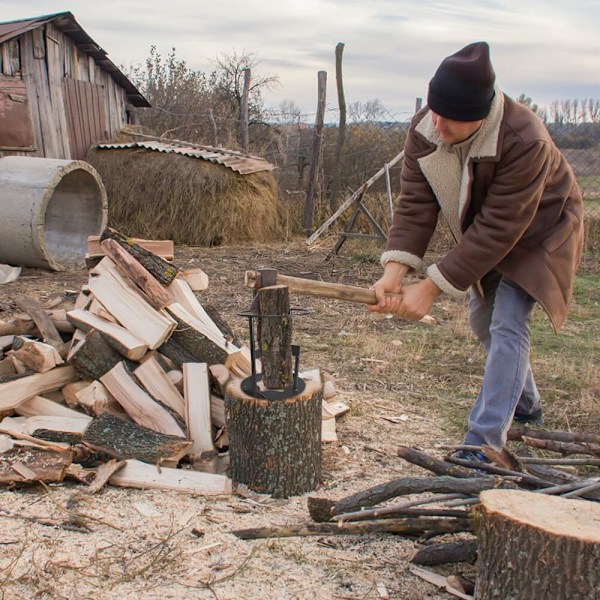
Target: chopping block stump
[536,546]
[275,445]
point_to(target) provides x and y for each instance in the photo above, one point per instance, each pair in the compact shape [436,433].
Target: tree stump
[275,445]
[537,546]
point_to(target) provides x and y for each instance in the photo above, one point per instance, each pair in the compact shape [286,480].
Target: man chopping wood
[516,215]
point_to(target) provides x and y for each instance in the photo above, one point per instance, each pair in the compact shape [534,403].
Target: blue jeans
[501,323]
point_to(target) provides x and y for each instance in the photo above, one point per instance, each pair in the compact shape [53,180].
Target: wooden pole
[388,189]
[316,153]
[244,110]
[418,104]
[335,186]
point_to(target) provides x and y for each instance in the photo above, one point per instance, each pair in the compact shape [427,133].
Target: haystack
[155,195]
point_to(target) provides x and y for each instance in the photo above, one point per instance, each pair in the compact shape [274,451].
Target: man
[516,215]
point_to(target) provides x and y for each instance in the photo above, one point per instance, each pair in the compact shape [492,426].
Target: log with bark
[27,465]
[122,439]
[525,539]
[452,552]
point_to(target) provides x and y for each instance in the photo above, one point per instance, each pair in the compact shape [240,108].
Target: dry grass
[190,201]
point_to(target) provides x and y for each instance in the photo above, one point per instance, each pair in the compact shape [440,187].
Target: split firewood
[103,473]
[6,443]
[219,376]
[221,324]
[563,447]
[176,378]
[13,393]
[196,392]
[156,294]
[162,270]
[37,356]
[547,528]
[138,404]
[177,353]
[123,439]
[26,465]
[71,390]
[94,356]
[143,476]
[195,277]
[407,526]
[328,431]
[42,406]
[442,582]
[184,296]
[130,309]
[323,509]
[163,248]
[96,400]
[154,379]
[453,552]
[97,309]
[43,322]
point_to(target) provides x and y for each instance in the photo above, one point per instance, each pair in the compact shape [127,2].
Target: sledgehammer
[309,287]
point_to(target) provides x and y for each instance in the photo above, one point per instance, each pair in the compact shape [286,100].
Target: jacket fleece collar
[449,184]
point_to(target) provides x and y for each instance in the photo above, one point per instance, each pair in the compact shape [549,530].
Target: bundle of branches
[191,201]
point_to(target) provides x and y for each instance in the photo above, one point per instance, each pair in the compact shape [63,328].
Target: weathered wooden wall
[66,117]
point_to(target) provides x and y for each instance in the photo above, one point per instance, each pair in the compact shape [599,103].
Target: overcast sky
[548,49]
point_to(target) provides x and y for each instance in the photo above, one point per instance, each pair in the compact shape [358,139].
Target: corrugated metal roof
[66,22]
[236,161]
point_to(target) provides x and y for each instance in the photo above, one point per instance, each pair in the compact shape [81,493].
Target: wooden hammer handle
[322,289]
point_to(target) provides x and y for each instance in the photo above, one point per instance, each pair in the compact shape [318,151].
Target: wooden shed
[59,93]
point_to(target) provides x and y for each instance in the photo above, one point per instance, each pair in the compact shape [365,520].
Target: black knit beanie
[462,88]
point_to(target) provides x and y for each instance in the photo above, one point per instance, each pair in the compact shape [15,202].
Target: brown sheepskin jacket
[514,207]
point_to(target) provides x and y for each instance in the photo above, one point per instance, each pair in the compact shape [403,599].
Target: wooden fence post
[244,111]
[316,154]
[335,186]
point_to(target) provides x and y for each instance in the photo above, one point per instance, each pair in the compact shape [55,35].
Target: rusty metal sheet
[16,130]
[236,161]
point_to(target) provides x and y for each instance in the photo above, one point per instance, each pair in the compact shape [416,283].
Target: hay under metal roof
[236,161]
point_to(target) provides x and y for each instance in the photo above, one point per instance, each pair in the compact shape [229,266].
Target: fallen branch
[408,526]
[439,554]
[563,447]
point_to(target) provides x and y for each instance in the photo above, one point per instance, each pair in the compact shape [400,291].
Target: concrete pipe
[49,207]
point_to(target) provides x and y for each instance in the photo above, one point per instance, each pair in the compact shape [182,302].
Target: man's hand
[417,299]
[390,282]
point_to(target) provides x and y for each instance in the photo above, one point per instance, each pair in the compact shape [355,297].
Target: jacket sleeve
[416,212]
[507,211]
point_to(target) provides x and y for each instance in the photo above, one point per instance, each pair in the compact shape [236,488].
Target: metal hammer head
[266,277]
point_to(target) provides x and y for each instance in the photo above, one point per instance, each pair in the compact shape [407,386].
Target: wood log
[23,325]
[97,309]
[41,406]
[140,406]
[39,465]
[103,473]
[36,356]
[407,526]
[143,476]
[322,509]
[560,436]
[275,445]
[70,391]
[275,336]
[13,393]
[563,447]
[154,379]
[163,248]
[130,309]
[156,295]
[196,392]
[199,340]
[177,353]
[439,467]
[162,270]
[94,356]
[522,535]
[122,439]
[221,324]
[440,554]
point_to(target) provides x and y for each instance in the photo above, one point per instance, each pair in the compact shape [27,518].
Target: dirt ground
[154,544]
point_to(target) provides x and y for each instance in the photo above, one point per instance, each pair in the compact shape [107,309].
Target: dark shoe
[535,418]
[470,455]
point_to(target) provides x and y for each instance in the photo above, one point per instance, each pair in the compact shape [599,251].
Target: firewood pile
[124,384]
[450,501]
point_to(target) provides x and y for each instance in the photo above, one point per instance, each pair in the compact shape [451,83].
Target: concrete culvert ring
[50,208]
